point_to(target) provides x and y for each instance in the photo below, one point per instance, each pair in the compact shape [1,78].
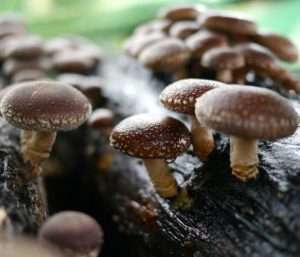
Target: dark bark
[22,201]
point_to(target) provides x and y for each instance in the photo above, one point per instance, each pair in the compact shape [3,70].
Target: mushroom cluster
[191,41]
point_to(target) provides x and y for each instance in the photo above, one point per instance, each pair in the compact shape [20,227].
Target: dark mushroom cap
[257,56]
[229,23]
[24,47]
[101,118]
[73,61]
[135,45]
[73,231]
[44,106]
[183,29]
[151,136]
[223,58]
[153,26]
[247,112]
[279,45]
[167,55]
[181,12]
[181,95]
[204,40]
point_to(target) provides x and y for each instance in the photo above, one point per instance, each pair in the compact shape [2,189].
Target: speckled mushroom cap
[166,55]
[151,136]
[257,56]
[203,40]
[223,58]
[279,45]
[74,231]
[44,106]
[229,23]
[248,112]
[181,12]
[101,118]
[181,95]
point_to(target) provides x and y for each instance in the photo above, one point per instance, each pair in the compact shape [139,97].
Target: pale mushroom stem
[224,75]
[37,146]
[243,158]
[202,139]
[161,177]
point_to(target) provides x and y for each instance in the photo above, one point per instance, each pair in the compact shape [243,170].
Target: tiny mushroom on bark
[229,23]
[76,234]
[224,60]
[102,119]
[168,55]
[279,45]
[155,139]
[181,97]
[246,114]
[41,108]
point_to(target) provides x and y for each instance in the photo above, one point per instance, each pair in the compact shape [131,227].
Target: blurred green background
[110,21]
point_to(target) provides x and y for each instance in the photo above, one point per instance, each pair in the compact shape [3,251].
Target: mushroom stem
[161,177]
[202,139]
[243,158]
[224,75]
[36,146]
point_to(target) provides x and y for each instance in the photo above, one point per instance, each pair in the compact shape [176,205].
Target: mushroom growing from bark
[246,114]
[223,60]
[41,108]
[76,234]
[155,139]
[181,97]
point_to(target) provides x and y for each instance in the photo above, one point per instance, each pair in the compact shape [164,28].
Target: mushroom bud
[246,114]
[155,139]
[224,60]
[102,119]
[41,108]
[76,234]
[181,97]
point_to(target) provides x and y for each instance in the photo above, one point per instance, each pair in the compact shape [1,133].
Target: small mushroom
[155,139]
[182,12]
[102,119]
[279,45]
[204,40]
[41,108]
[183,29]
[229,23]
[28,75]
[181,97]
[76,234]
[224,60]
[154,26]
[169,55]
[246,114]
[11,25]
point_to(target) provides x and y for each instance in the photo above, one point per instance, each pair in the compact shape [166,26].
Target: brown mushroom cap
[183,29]
[135,45]
[152,27]
[247,112]
[181,95]
[101,118]
[167,55]
[73,231]
[204,40]
[24,47]
[223,58]
[229,23]
[279,45]
[257,56]
[45,106]
[182,12]
[151,136]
